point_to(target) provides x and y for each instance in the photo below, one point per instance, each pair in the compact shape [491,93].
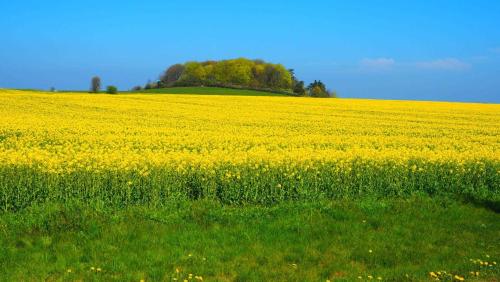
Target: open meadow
[237,188]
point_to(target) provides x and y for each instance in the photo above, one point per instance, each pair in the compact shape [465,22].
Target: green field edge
[340,240]
[179,90]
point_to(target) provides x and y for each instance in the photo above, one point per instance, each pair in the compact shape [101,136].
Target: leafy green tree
[294,78]
[194,74]
[277,77]
[318,89]
[259,76]
[239,71]
[299,89]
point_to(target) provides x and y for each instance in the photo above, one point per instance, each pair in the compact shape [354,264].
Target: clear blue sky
[425,49]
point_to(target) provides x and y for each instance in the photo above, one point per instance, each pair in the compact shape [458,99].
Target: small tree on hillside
[95,84]
[317,89]
[172,74]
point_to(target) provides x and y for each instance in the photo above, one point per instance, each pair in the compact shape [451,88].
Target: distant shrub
[137,88]
[111,89]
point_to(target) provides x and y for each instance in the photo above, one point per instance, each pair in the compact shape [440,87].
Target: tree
[317,83]
[95,84]
[194,74]
[148,85]
[317,89]
[258,75]
[159,84]
[298,88]
[277,77]
[172,74]
[294,78]
[137,88]
[239,72]
[111,89]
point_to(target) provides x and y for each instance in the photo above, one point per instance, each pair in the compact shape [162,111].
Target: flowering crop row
[150,149]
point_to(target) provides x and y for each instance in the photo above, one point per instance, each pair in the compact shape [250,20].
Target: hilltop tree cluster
[241,73]
[237,73]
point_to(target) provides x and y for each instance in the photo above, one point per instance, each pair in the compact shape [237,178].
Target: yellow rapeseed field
[262,149]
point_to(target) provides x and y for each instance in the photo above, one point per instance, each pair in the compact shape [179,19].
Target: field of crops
[119,150]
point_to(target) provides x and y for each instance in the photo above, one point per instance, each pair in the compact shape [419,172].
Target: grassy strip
[210,91]
[398,240]
[179,90]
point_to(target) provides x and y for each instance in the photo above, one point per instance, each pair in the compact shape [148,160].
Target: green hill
[209,91]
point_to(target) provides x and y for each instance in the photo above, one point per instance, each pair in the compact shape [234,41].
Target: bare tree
[172,74]
[95,85]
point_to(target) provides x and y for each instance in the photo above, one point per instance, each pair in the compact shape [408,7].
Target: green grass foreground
[396,240]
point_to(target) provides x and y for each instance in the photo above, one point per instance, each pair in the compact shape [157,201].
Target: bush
[111,89]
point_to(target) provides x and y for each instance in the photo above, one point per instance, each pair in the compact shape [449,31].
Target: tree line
[238,73]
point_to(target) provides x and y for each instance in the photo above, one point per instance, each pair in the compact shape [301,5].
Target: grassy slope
[288,242]
[181,90]
[210,91]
